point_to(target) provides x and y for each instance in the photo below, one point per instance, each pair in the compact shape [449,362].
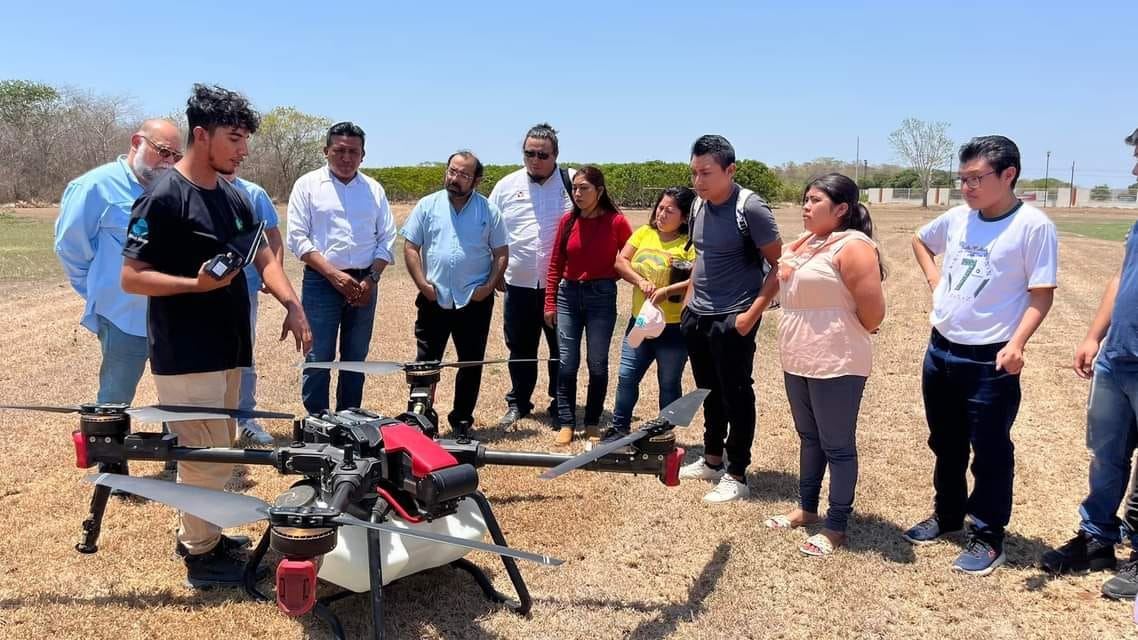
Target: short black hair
[213,107]
[467,153]
[345,128]
[1000,152]
[1132,139]
[717,147]
[543,131]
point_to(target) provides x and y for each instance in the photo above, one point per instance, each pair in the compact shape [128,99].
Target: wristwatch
[373,275]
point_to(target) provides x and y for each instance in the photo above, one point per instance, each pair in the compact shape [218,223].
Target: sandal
[817,545]
[783,521]
[778,522]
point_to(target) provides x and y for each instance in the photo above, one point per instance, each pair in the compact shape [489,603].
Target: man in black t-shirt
[198,324]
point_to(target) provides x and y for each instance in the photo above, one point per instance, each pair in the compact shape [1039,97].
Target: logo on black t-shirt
[139,232]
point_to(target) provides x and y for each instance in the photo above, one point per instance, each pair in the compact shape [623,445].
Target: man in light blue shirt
[456,252]
[263,211]
[89,237]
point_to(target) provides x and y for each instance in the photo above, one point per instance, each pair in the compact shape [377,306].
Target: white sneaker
[699,470]
[254,433]
[727,490]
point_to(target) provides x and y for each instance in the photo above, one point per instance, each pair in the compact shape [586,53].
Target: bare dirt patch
[644,561]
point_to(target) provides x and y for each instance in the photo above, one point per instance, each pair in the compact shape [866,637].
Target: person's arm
[1010,358]
[623,267]
[499,258]
[1041,252]
[926,261]
[746,321]
[553,275]
[1086,352]
[384,246]
[295,322]
[858,266]
[141,278]
[76,232]
[413,258]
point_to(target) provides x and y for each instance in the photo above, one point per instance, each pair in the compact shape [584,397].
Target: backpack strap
[696,207]
[567,183]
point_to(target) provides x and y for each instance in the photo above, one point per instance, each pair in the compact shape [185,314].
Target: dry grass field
[644,561]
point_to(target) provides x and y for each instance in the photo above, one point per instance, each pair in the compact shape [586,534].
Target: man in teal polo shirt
[456,252]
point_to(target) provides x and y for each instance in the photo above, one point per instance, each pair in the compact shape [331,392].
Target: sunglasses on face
[164,152]
[540,155]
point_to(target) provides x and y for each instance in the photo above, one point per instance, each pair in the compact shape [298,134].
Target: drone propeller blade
[178,413]
[217,507]
[36,407]
[479,363]
[597,452]
[445,539]
[678,413]
[681,412]
[378,368]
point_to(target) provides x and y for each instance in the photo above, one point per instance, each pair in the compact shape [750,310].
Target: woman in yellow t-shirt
[657,262]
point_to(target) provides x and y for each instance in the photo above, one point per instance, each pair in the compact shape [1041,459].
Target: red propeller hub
[671,477]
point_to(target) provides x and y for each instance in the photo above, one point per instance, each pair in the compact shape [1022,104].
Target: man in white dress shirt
[341,228]
[531,200]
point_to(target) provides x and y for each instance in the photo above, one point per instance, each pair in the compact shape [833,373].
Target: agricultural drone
[376,499]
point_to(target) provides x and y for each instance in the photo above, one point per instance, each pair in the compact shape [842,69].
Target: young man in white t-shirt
[995,287]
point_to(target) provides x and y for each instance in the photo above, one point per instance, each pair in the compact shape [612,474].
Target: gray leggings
[825,416]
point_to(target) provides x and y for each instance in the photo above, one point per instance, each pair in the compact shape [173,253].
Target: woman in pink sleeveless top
[832,299]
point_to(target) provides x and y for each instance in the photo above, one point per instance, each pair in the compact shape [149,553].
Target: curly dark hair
[213,107]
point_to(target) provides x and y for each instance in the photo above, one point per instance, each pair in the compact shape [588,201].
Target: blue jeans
[669,351]
[124,360]
[249,374]
[329,314]
[587,307]
[825,417]
[970,408]
[1111,437]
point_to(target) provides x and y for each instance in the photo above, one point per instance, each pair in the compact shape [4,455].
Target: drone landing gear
[522,605]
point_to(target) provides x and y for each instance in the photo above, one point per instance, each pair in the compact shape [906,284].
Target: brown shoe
[593,433]
[565,436]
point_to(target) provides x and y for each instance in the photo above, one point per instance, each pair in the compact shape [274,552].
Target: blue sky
[624,81]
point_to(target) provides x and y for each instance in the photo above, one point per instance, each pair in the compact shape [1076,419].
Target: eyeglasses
[972,181]
[459,174]
[540,155]
[164,152]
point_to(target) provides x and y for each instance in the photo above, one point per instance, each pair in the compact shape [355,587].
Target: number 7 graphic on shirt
[971,264]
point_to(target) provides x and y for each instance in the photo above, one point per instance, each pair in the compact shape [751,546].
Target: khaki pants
[211,389]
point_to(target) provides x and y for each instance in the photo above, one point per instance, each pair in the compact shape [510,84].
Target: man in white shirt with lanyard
[993,291]
[341,227]
[531,200]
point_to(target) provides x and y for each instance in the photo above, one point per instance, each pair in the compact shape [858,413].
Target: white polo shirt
[989,266]
[531,213]
[349,224]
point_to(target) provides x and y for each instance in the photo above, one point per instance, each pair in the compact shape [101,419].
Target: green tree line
[631,184]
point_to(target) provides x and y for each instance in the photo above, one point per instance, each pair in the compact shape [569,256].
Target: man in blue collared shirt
[89,237]
[456,252]
[263,211]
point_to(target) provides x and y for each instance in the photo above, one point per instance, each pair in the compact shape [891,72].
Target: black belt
[358,274]
[981,352]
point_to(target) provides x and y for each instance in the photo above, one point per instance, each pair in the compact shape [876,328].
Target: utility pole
[1046,171]
[857,159]
[1072,203]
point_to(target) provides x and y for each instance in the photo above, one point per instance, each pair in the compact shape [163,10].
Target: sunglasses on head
[540,155]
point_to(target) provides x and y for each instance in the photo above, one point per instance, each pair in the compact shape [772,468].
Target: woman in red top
[580,297]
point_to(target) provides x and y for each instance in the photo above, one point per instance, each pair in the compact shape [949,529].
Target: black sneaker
[512,415]
[1084,552]
[223,566]
[1124,584]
